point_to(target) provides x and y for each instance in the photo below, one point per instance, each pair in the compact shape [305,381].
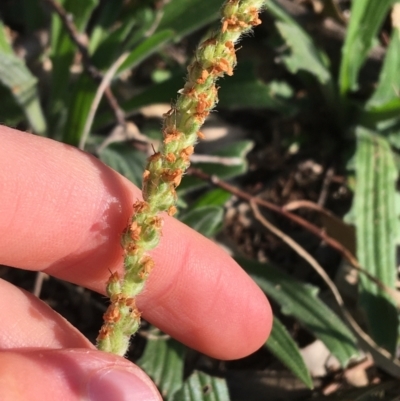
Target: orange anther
[170,157]
[132,249]
[135,314]
[171,210]
[147,266]
[112,314]
[114,278]
[171,134]
[140,206]
[204,76]
[186,152]
[105,332]
[173,176]
[135,231]
[130,303]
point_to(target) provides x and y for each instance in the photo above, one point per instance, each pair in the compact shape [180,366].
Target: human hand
[62,212]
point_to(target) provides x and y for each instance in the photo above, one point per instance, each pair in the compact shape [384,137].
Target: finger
[72,375]
[63,211]
[27,322]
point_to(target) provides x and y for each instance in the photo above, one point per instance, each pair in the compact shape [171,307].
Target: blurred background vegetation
[297,177]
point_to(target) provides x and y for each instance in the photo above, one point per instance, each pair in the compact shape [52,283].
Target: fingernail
[121,385]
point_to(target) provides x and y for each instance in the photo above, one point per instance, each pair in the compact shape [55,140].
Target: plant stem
[215,57]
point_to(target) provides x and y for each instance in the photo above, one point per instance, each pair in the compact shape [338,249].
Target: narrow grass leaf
[377,227]
[163,361]
[301,301]
[62,55]
[107,16]
[146,48]
[83,93]
[202,387]
[366,18]
[281,344]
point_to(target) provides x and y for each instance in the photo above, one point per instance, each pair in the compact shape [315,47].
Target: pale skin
[62,212]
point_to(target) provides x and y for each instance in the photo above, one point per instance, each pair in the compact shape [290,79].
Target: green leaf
[304,54]
[366,18]
[301,301]
[15,76]
[202,387]
[389,80]
[272,96]
[111,47]
[376,224]
[206,220]
[108,15]
[281,344]
[126,160]
[10,112]
[163,361]
[145,49]
[374,115]
[83,93]
[215,197]
[159,93]
[185,16]
[62,54]
[233,164]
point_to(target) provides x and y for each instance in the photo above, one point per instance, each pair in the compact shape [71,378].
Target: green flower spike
[214,58]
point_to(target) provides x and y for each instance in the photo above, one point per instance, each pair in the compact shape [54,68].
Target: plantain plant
[368,124]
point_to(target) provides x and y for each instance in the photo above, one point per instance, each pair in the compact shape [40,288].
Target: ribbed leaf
[206,220]
[366,18]
[389,79]
[376,223]
[281,344]
[163,362]
[301,301]
[22,84]
[202,387]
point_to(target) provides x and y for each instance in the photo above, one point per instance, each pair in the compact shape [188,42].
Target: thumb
[72,375]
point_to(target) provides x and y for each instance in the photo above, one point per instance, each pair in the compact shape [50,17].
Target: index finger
[63,211]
